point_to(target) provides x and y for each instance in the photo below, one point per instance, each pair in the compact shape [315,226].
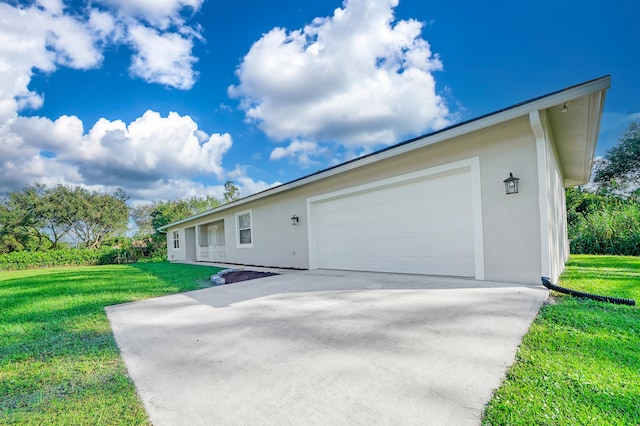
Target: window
[176,240]
[245,231]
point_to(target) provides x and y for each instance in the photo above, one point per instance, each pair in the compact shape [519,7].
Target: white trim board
[543,196]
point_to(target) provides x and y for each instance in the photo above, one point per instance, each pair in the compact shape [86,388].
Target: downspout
[165,231]
[543,207]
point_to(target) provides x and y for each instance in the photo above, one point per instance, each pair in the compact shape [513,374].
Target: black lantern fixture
[511,184]
[295,220]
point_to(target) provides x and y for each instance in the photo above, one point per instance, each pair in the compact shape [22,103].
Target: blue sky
[171,98]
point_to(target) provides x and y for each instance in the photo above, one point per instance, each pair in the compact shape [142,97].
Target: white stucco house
[436,204]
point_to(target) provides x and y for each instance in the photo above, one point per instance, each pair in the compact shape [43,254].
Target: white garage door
[422,226]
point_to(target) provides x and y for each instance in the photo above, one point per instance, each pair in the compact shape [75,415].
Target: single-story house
[483,199]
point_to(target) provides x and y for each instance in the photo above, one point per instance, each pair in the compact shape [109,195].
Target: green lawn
[59,363]
[579,364]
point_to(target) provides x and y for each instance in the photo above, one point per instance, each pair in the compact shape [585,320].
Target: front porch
[207,243]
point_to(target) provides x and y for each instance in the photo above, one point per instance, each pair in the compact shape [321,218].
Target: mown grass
[59,363]
[579,363]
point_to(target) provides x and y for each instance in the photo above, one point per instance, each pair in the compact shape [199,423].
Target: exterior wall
[179,254]
[511,223]
[275,241]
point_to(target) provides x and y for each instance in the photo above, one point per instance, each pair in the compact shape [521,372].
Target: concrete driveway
[325,348]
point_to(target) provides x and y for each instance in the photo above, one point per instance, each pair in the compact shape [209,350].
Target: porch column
[198,243]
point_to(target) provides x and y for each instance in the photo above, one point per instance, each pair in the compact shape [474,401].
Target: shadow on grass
[579,363]
[58,356]
[608,275]
[629,263]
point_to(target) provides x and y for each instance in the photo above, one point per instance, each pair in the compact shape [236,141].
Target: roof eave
[576,134]
[501,116]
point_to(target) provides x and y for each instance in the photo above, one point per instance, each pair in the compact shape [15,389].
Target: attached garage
[429,222]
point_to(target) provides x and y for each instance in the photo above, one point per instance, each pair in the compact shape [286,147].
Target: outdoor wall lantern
[295,220]
[511,184]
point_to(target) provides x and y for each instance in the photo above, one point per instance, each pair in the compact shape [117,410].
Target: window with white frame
[245,229]
[176,240]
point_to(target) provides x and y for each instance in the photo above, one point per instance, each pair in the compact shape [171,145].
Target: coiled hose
[546,281]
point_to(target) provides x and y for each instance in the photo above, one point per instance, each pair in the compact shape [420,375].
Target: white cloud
[246,184]
[300,151]
[55,7]
[163,153]
[156,31]
[163,58]
[41,37]
[152,157]
[38,38]
[45,36]
[71,42]
[360,78]
[158,13]
[149,151]
[174,189]
[105,26]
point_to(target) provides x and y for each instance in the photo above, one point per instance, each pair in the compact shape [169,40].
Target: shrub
[75,257]
[603,224]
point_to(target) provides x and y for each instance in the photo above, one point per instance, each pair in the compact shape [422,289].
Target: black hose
[546,281]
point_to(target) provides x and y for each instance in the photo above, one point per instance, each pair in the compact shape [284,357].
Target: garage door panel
[411,241]
[414,265]
[396,215]
[374,228]
[443,247]
[390,231]
[421,226]
[373,203]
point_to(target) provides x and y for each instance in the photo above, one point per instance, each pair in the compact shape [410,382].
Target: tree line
[40,218]
[604,217]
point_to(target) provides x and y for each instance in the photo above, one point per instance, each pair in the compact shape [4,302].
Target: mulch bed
[237,276]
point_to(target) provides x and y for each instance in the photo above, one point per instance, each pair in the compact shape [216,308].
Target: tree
[149,217]
[141,216]
[231,192]
[201,204]
[620,168]
[24,219]
[12,236]
[52,214]
[91,216]
[37,217]
[168,212]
